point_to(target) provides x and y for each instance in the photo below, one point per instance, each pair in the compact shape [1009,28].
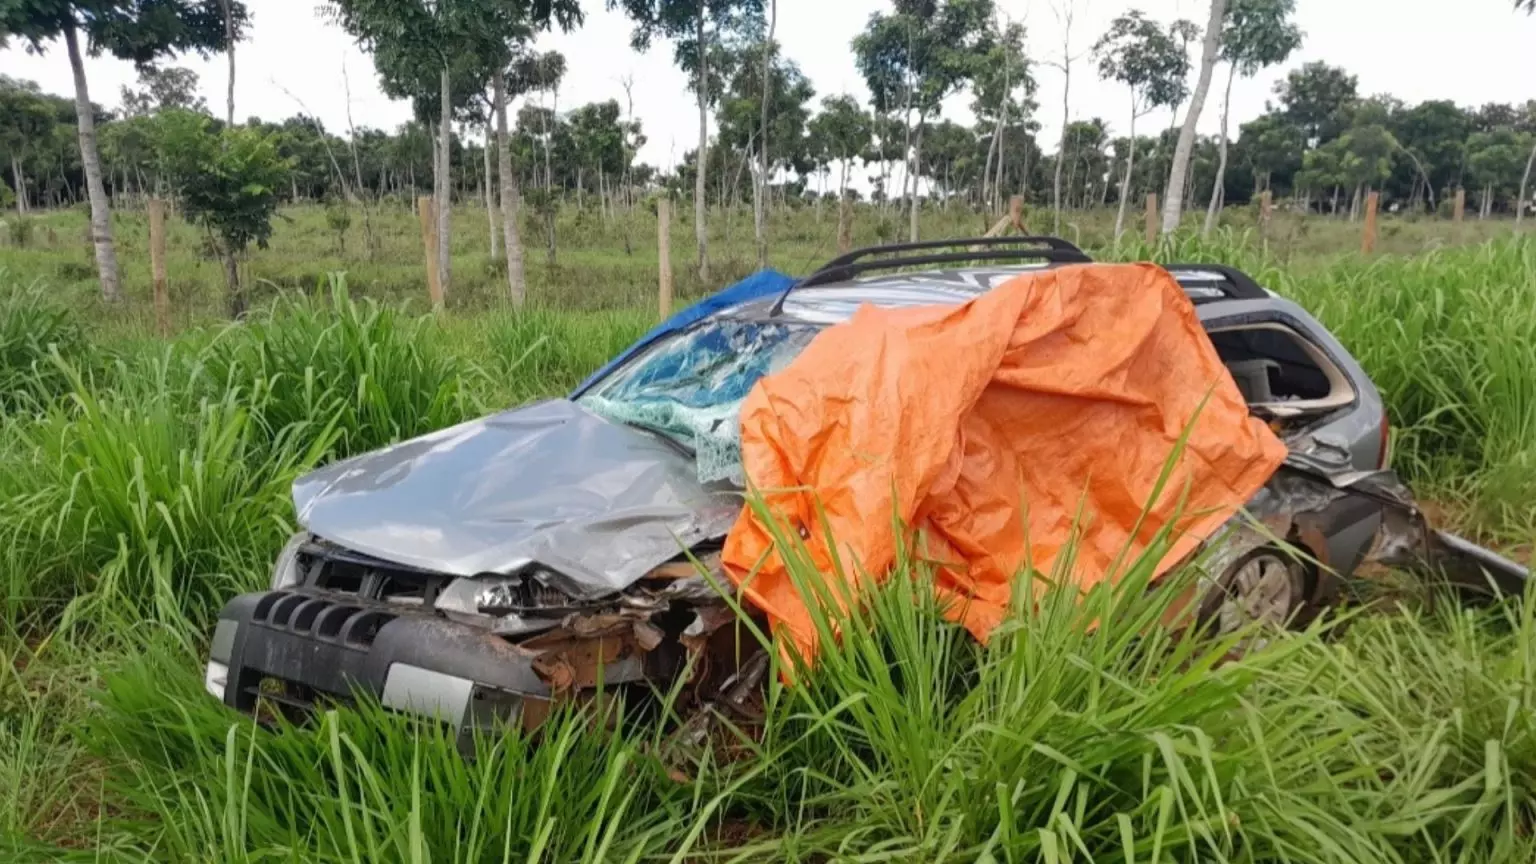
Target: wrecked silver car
[490,570]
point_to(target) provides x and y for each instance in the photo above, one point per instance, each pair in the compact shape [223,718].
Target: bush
[19,229]
[376,373]
[34,327]
[134,505]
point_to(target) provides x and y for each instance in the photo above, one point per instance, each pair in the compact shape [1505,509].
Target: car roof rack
[1231,282]
[1053,250]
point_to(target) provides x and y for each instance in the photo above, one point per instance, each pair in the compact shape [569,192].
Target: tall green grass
[143,482]
[1083,732]
[35,326]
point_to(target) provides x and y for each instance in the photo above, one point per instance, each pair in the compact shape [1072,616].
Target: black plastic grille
[321,617]
[339,571]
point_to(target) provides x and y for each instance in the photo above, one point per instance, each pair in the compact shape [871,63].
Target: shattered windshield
[690,386]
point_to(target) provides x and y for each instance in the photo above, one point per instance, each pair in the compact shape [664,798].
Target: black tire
[1269,585]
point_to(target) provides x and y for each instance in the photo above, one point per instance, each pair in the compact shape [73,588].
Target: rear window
[1274,366]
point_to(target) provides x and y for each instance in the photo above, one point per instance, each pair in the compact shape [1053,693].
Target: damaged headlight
[286,572]
[463,595]
[524,592]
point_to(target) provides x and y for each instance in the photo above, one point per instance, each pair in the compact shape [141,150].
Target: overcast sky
[1471,51]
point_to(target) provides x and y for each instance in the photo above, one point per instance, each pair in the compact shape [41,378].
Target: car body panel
[596,510]
[594,504]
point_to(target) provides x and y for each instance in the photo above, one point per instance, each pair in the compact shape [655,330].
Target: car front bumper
[302,648]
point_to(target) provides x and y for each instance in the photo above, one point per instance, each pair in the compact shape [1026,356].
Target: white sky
[1472,52]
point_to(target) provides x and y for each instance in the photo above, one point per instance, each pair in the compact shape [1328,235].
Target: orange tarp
[988,427]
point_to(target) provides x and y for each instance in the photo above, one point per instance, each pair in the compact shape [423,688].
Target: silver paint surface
[551,486]
[593,505]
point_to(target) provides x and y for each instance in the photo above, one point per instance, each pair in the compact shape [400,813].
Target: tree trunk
[1354,204]
[759,205]
[986,172]
[700,187]
[549,235]
[1219,188]
[1333,209]
[917,174]
[1002,154]
[1173,207]
[232,283]
[90,161]
[1487,203]
[443,180]
[997,140]
[20,185]
[512,244]
[1061,149]
[1125,183]
[1525,180]
[490,205]
[229,51]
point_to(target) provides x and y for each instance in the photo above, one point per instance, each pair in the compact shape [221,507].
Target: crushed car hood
[550,485]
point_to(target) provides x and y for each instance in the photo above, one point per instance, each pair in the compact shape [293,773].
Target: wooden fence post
[157,265]
[1368,239]
[844,226]
[664,259]
[1152,219]
[1016,214]
[1461,206]
[427,213]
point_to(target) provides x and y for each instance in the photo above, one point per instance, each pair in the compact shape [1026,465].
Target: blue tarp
[761,284]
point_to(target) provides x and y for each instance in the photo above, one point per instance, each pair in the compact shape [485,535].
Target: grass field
[144,481]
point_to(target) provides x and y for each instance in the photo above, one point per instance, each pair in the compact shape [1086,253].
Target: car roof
[834,302]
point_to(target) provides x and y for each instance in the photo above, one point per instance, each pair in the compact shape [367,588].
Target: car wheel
[1266,586]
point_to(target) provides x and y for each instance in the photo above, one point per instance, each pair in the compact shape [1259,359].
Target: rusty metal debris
[673,620]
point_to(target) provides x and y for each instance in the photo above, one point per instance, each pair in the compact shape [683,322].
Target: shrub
[378,374]
[34,326]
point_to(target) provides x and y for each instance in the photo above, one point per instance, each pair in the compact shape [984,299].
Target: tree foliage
[1137,52]
[1259,34]
[228,180]
[922,52]
[160,88]
[140,31]
[1317,98]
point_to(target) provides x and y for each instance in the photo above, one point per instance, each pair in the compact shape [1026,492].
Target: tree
[162,88]
[542,73]
[1004,89]
[1434,135]
[25,120]
[1271,145]
[228,182]
[429,51]
[759,205]
[1173,205]
[1138,53]
[843,131]
[1086,163]
[1495,160]
[1258,34]
[140,31]
[1317,98]
[688,24]
[415,45]
[1064,17]
[742,109]
[919,55]
[1322,169]
[1368,152]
